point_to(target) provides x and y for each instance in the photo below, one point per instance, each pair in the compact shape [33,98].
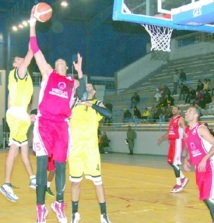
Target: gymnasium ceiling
[78,10]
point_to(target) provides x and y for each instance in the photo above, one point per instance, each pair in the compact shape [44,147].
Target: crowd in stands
[164,98]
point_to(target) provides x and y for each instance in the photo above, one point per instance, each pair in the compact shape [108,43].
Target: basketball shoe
[32,183]
[7,191]
[75,218]
[42,213]
[49,192]
[176,189]
[184,182]
[104,218]
[58,208]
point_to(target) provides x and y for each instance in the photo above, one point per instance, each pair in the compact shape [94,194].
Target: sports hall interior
[137,187]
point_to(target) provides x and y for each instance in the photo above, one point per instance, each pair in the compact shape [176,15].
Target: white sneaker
[75,217]
[7,191]
[32,183]
[104,218]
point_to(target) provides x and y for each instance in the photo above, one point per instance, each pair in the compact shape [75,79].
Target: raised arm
[80,84]
[25,63]
[44,67]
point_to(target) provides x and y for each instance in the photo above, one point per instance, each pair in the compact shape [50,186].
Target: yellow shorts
[84,162]
[18,127]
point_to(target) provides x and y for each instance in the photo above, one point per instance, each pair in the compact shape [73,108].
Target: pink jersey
[174,130]
[197,147]
[56,97]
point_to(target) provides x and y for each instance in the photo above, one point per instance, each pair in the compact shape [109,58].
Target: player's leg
[6,189]
[60,151]
[93,172]
[75,161]
[210,205]
[174,159]
[28,166]
[21,137]
[51,169]
[41,179]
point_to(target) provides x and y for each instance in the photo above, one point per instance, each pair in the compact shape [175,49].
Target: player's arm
[80,84]
[44,67]
[182,123]
[204,132]
[164,137]
[101,109]
[26,62]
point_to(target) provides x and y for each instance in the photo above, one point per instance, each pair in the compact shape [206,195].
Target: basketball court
[137,190]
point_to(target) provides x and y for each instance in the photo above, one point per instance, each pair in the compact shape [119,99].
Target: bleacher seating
[197,67]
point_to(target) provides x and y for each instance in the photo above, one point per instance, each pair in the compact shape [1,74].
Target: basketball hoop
[160,37]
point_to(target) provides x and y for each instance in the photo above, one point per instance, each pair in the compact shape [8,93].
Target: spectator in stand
[191,95]
[183,76]
[166,91]
[206,98]
[168,100]
[127,116]
[161,88]
[135,99]
[157,95]
[137,113]
[211,86]
[104,143]
[206,85]
[146,115]
[175,82]
[183,91]
[211,107]
[199,99]
[200,86]
[168,112]
[158,113]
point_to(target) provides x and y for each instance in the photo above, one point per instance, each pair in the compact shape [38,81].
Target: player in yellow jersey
[20,88]
[84,158]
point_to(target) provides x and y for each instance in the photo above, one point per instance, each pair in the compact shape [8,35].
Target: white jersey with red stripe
[56,97]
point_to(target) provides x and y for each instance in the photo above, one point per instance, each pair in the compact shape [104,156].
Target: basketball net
[160,37]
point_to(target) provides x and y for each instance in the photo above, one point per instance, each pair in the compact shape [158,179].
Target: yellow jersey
[20,90]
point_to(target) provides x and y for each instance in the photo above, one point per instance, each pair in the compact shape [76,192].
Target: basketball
[43,12]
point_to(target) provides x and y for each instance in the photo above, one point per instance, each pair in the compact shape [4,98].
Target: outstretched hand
[78,64]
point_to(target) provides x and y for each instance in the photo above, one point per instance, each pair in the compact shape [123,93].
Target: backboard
[193,15]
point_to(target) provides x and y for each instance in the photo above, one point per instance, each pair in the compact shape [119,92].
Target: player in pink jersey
[200,146]
[51,128]
[175,135]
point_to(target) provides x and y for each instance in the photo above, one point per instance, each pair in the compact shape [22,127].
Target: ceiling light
[14,28]
[64,3]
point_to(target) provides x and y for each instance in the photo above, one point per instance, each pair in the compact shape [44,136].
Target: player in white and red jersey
[200,146]
[51,128]
[175,135]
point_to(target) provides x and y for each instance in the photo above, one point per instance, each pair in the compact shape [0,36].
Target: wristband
[32,22]
[33,44]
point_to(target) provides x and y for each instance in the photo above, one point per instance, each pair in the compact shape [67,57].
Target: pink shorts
[52,139]
[204,181]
